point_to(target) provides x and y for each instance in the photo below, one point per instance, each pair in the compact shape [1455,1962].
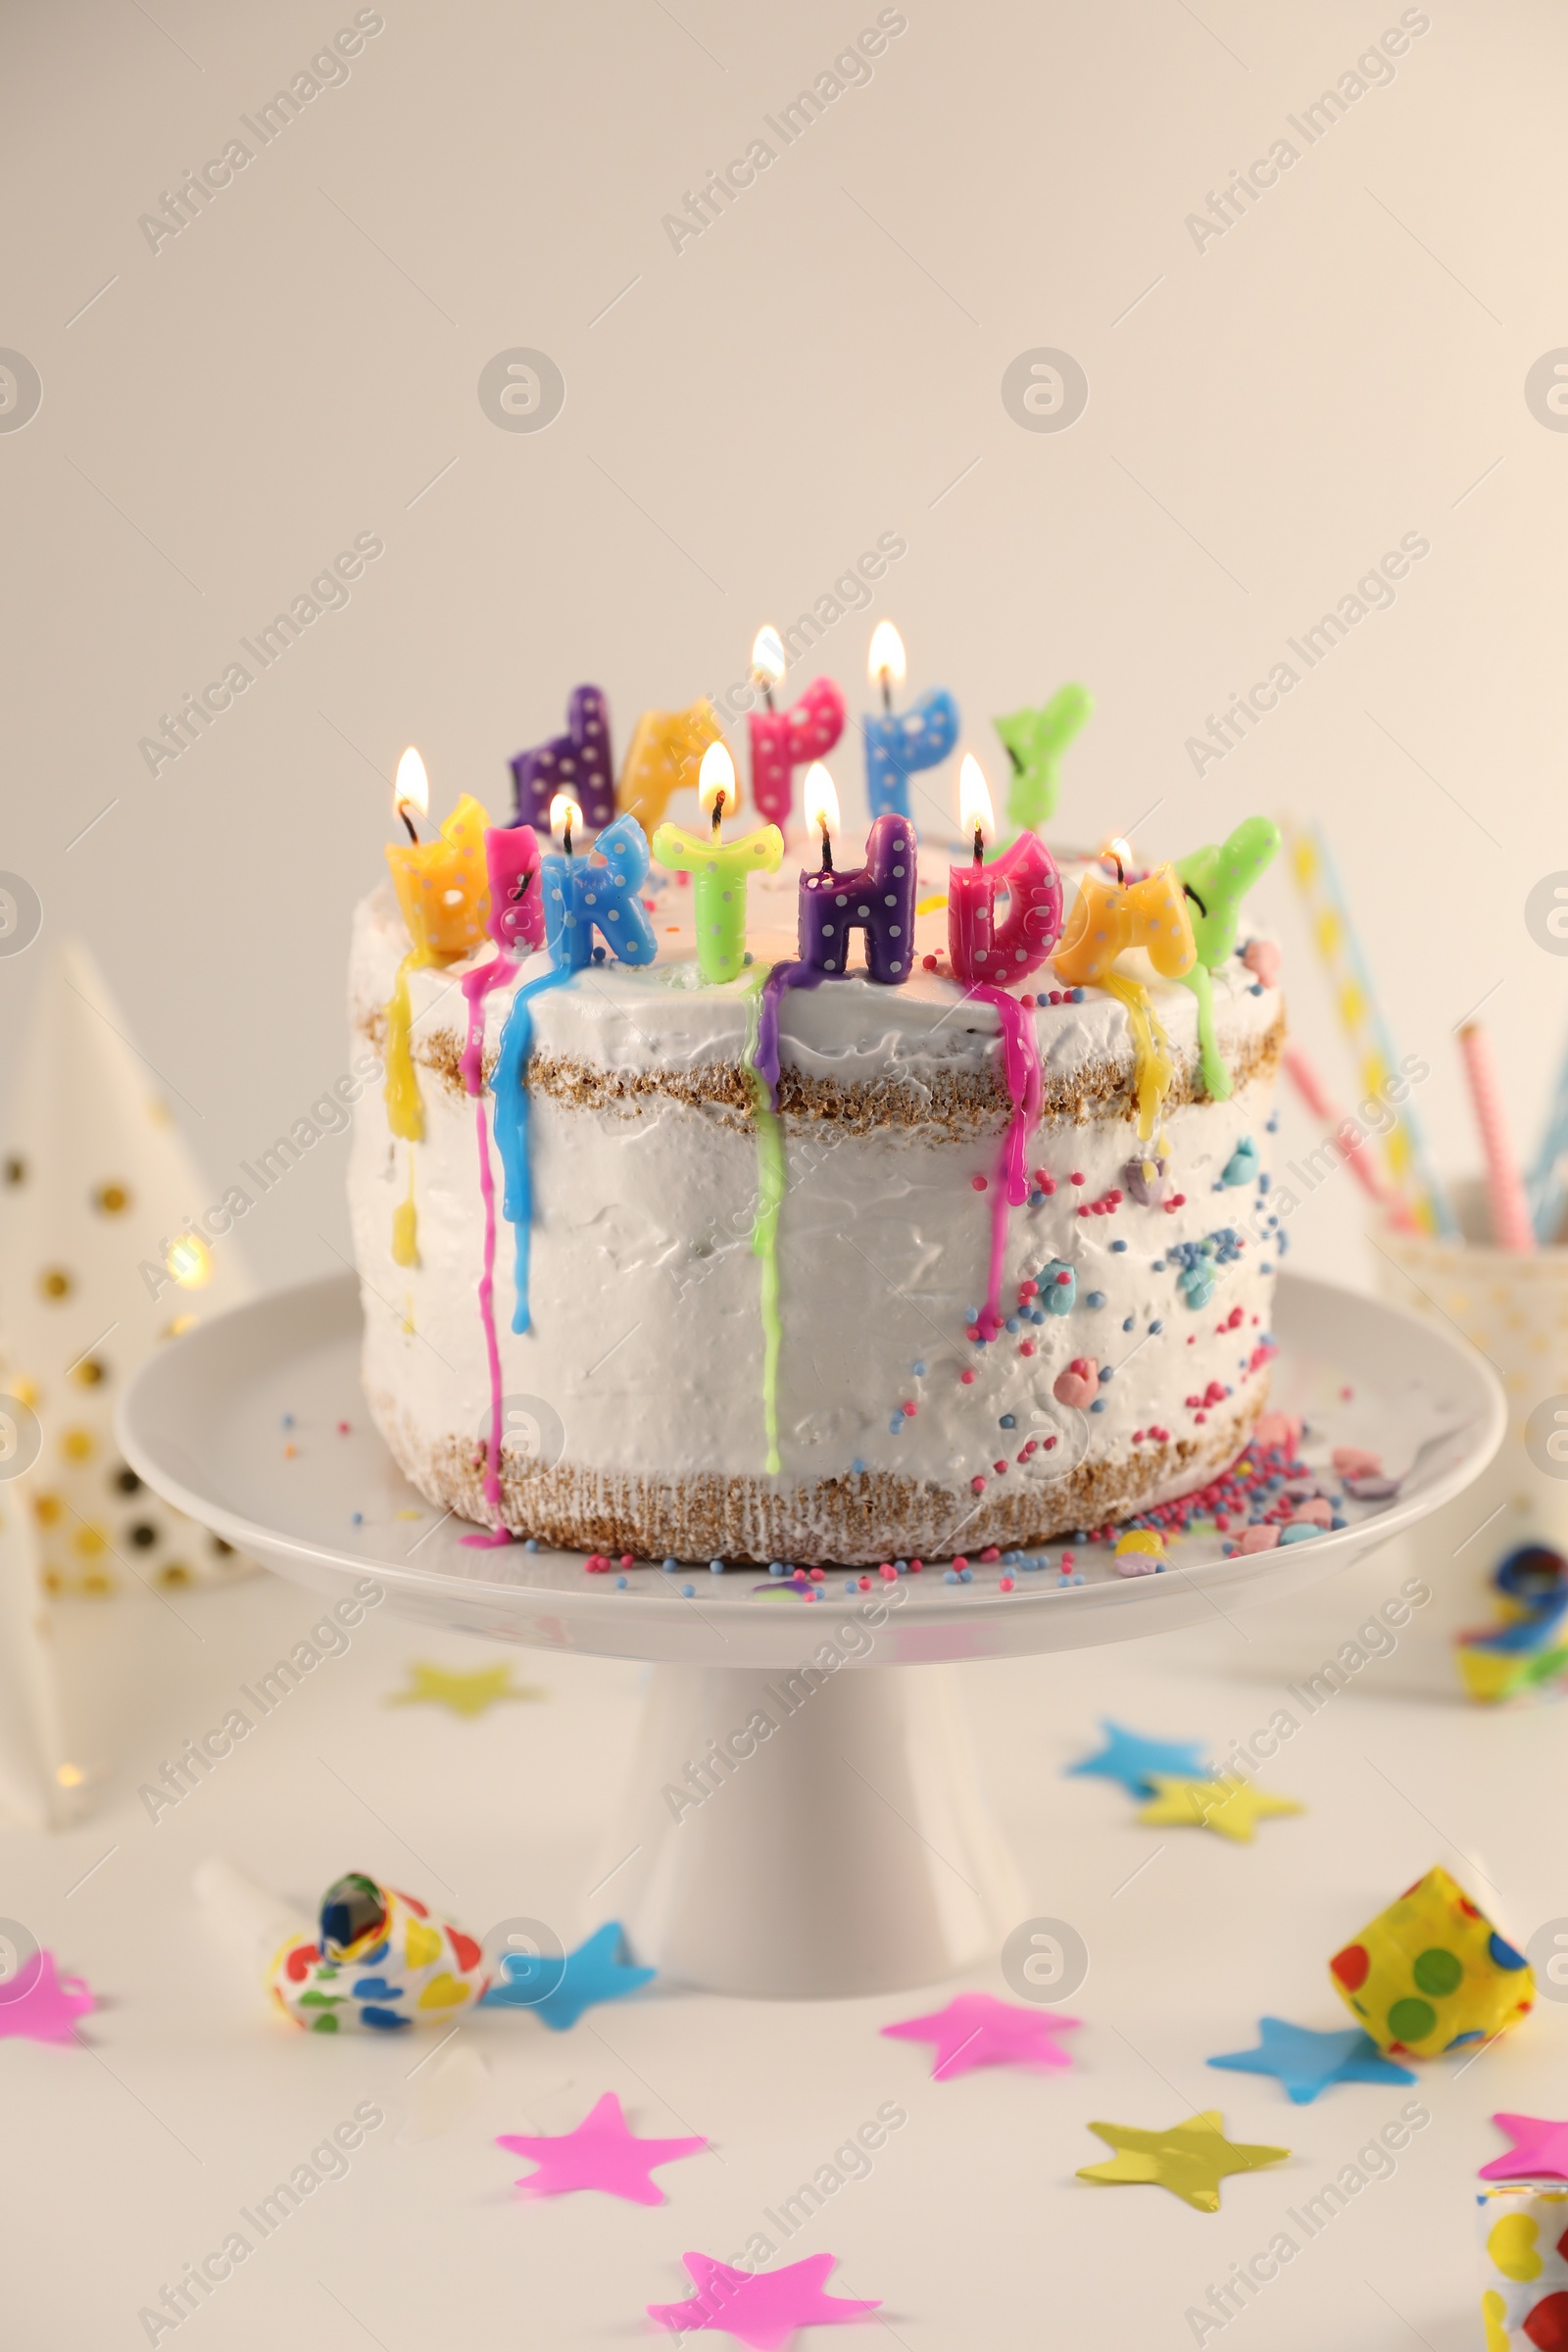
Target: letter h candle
[878,899]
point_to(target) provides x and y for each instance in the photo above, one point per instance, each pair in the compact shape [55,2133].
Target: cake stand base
[846,1850]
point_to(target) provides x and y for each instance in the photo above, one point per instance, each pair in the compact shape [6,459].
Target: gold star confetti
[1233,1807]
[463,1693]
[1190,2159]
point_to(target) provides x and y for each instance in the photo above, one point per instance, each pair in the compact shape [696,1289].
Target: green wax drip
[1221,876]
[1217,1077]
[764,1224]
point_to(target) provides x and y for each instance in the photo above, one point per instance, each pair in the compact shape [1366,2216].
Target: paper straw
[1334,935]
[1303,1076]
[1548,1187]
[1511,1228]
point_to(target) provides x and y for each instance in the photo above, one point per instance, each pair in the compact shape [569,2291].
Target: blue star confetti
[1308,2062]
[1133,1760]
[558,1990]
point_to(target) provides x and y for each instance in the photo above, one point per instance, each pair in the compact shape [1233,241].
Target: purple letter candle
[878,899]
[576,763]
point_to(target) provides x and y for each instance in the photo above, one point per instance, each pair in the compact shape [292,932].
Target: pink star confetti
[40,2005]
[1539,2150]
[759,2308]
[601,2153]
[977,2030]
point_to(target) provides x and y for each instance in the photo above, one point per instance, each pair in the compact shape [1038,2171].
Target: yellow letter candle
[664,754]
[719,868]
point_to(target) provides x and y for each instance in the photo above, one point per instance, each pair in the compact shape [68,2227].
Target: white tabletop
[123,2162]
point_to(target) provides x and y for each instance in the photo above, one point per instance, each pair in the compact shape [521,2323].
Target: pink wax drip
[1011,1183]
[781,977]
[477,987]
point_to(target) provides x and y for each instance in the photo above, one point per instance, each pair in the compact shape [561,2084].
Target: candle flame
[821,799]
[190,1261]
[717,776]
[565,817]
[975,812]
[886,657]
[768,657]
[1116,852]
[412,787]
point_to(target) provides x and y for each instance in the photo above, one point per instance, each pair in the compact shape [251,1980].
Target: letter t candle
[719,868]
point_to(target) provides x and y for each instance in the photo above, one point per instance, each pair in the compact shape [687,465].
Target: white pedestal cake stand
[851,1851]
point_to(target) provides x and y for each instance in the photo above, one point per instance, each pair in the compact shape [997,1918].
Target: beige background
[1265,418]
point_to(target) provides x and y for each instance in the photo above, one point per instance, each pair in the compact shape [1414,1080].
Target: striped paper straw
[1547,1186]
[1334,935]
[1303,1076]
[1511,1228]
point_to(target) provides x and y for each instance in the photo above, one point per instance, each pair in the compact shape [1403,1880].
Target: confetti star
[1136,1762]
[977,2030]
[601,2153]
[1540,2149]
[759,2308]
[38,2005]
[1308,2062]
[463,1693]
[559,1990]
[1233,1807]
[1189,2159]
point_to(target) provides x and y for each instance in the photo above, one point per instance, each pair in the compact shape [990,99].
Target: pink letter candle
[878,898]
[784,740]
[980,949]
[577,763]
[516,906]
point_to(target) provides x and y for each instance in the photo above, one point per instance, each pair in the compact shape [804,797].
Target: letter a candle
[719,868]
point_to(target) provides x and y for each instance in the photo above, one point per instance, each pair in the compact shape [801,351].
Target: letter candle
[443,890]
[719,868]
[1110,916]
[663,756]
[898,744]
[577,763]
[987,962]
[1215,881]
[581,895]
[784,740]
[1027,871]
[516,916]
[596,891]
[1034,742]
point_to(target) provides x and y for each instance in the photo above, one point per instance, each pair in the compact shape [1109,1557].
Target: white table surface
[122,2162]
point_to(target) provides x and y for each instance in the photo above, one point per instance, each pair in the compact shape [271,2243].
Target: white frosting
[647,1337]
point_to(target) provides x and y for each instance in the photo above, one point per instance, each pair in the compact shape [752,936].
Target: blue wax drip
[511,1128]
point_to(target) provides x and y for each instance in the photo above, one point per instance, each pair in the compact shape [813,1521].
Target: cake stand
[850,1850]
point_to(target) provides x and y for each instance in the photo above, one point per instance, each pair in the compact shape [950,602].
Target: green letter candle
[719,868]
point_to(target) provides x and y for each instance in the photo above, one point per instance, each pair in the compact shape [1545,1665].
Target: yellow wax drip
[404,1109]
[1152,1051]
[406,1226]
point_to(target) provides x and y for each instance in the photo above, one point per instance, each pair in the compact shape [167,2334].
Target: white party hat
[99,1268]
[32,1777]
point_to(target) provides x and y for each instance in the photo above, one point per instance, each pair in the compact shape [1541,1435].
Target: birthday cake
[686,1234]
